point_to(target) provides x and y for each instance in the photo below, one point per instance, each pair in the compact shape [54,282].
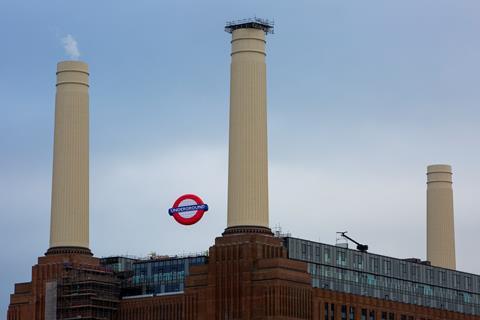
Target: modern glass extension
[413,281]
[154,276]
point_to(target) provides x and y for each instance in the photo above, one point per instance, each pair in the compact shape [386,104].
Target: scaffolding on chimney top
[251,23]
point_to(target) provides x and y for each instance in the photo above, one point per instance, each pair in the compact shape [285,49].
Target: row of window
[366,262]
[387,282]
[165,288]
[360,283]
[152,268]
[349,313]
[158,277]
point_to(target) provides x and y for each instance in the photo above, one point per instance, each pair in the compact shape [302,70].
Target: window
[332,311]
[341,258]
[429,275]
[359,261]
[403,268]
[354,276]
[456,281]
[326,255]
[371,279]
[341,274]
[468,283]
[428,291]
[372,315]
[312,268]
[326,311]
[388,267]
[352,313]
[384,316]
[414,272]
[443,277]
[391,316]
[326,271]
[344,312]
[364,314]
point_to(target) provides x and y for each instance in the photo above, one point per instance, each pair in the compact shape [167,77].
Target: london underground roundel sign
[188,209]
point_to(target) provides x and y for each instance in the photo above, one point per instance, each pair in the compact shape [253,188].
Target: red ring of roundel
[193,219]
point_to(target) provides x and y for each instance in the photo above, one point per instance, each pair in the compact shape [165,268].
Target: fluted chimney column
[248,161]
[440,219]
[69,227]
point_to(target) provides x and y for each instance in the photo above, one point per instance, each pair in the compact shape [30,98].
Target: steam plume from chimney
[71,47]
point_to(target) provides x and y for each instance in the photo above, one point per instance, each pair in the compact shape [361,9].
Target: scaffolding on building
[87,293]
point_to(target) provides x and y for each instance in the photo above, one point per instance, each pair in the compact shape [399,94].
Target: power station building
[249,272]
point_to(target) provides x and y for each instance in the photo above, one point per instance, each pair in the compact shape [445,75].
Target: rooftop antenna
[278,232]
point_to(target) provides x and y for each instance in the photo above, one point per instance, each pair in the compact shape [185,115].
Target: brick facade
[29,299]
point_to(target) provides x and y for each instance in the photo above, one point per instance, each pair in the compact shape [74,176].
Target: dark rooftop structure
[252,23]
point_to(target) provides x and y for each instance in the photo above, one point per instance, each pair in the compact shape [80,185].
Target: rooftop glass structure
[118,263]
[409,280]
[155,275]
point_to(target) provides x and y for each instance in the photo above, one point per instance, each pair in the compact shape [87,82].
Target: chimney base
[68,250]
[247,229]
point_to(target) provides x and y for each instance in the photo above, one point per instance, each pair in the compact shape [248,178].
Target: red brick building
[248,276]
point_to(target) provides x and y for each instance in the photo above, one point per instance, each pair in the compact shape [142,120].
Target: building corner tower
[248,160]
[69,224]
[440,217]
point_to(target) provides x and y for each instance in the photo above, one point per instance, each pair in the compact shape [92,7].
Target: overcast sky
[362,96]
